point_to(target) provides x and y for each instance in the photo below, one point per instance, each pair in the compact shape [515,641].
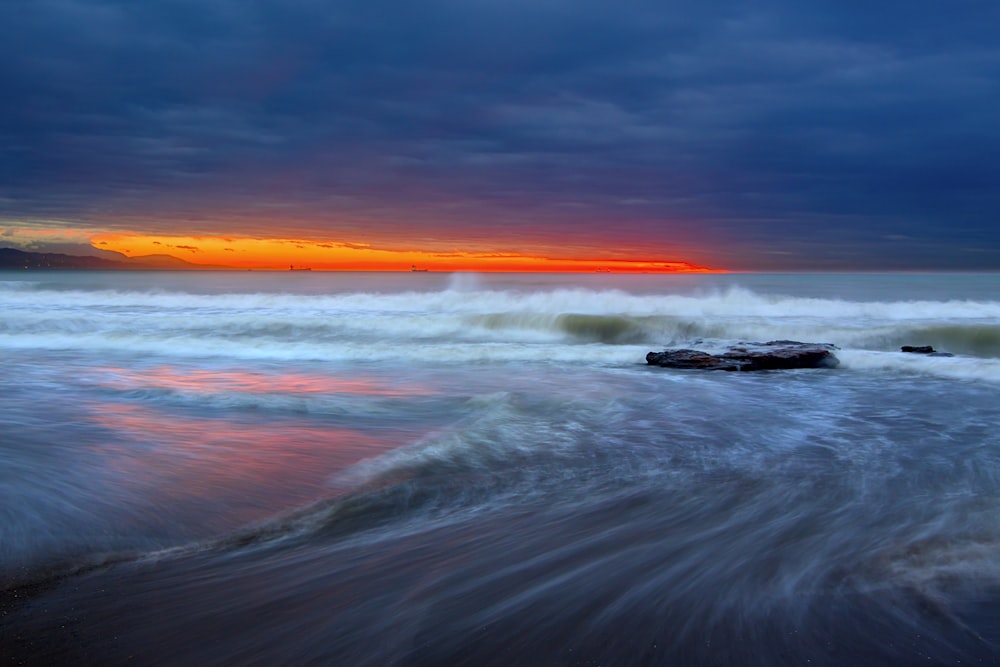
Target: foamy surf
[956,368]
[471,324]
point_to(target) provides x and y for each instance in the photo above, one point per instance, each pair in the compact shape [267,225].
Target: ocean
[310,468]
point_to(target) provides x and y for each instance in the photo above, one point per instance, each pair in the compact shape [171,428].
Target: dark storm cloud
[832,135]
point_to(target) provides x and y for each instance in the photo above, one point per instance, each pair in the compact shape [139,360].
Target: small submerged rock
[773,355]
[924,349]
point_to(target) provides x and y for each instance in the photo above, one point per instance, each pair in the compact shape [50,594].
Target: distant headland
[12,258]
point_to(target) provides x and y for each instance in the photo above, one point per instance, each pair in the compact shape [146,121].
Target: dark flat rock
[773,355]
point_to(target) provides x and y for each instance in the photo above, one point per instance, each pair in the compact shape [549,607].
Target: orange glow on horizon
[281,254]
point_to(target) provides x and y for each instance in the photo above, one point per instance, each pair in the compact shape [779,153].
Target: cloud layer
[749,135]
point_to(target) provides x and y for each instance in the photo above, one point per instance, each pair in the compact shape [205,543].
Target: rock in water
[773,355]
[691,359]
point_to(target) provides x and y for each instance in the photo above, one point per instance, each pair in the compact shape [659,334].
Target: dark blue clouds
[784,135]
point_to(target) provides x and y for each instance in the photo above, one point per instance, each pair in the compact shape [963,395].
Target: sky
[781,135]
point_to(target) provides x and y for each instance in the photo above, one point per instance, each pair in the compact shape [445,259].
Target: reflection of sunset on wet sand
[216,446]
[204,381]
[197,459]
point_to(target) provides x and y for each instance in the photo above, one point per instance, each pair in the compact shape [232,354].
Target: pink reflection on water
[221,472]
[207,381]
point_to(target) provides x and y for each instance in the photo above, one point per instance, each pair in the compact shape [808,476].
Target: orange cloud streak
[249,253]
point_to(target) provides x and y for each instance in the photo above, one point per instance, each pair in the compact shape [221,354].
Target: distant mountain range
[11,258]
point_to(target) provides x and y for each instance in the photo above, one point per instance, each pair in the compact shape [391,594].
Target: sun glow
[282,254]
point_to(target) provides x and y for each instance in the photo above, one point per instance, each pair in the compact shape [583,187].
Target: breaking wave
[469,323]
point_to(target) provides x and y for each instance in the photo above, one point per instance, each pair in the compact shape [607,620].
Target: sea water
[455,469]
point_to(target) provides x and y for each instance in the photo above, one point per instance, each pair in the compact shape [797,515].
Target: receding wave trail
[581,528]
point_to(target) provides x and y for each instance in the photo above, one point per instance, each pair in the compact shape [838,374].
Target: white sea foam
[465,322]
[958,368]
[464,296]
[500,429]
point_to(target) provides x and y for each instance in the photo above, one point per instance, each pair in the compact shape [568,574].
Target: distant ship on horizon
[291,267]
[413,267]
